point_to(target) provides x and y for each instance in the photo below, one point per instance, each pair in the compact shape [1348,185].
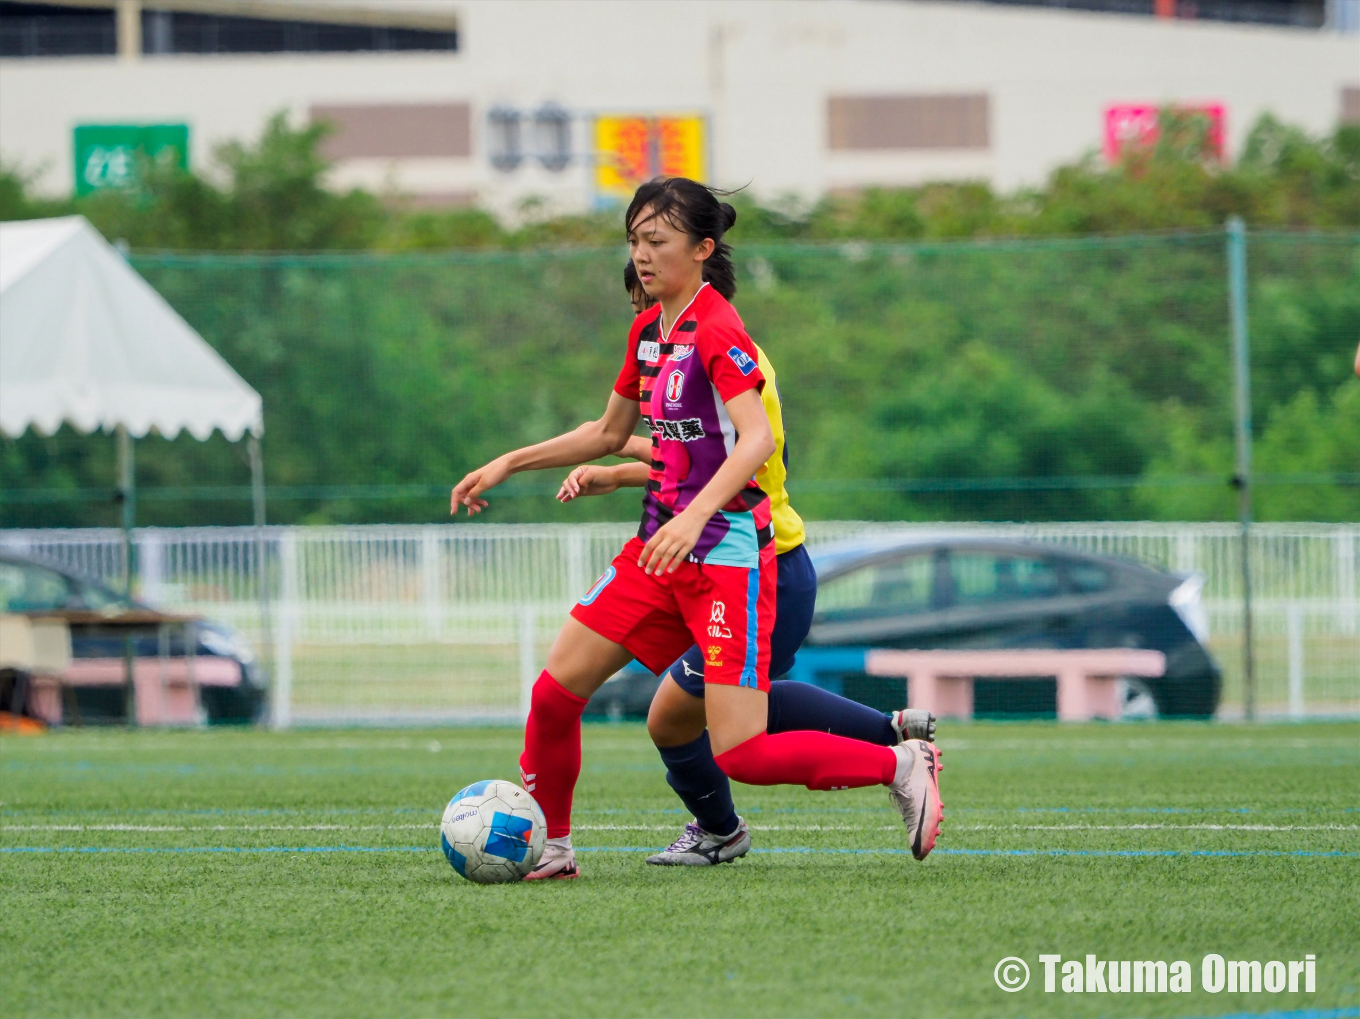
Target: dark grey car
[980,593]
[986,593]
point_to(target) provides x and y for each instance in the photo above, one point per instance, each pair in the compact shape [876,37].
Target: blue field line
[791,850]
[1303,1013]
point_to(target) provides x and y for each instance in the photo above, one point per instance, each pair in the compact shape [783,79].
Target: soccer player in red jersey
[702,568]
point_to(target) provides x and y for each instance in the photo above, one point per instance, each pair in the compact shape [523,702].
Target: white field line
[672,827]
[1155,827]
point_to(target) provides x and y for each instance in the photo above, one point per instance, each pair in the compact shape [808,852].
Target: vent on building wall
[1350,104]
[397,130]
[877,123]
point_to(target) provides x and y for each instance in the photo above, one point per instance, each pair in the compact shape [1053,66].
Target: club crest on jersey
[681,351]
[674,384]
[742,360]
[649,350]
[717,622]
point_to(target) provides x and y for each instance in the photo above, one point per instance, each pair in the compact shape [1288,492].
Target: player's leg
[736,673]
[676,724]
[798,706]
[624,615]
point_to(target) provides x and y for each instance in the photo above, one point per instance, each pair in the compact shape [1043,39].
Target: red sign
[1136,126]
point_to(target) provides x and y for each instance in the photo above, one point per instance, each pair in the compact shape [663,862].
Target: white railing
[452,621]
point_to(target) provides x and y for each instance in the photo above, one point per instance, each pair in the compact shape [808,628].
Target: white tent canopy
[87,341]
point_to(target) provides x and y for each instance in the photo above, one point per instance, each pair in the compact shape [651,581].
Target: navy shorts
[795,598]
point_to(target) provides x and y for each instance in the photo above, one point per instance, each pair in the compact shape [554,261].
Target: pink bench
[166,689]
[942,681]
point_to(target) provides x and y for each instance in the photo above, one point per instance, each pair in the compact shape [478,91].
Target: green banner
[107,155]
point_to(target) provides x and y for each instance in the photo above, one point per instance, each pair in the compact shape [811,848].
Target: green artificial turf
[1274,810]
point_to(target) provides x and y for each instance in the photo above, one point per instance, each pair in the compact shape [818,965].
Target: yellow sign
[630,150]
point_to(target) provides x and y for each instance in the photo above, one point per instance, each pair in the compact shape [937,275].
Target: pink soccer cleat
[557,864]
[915,792]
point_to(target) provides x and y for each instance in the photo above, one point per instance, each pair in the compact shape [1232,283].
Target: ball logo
[508,836]
[674,385]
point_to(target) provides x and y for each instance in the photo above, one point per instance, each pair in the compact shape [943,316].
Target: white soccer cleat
[698,848]
[914,723]
[915,792]
[557,863]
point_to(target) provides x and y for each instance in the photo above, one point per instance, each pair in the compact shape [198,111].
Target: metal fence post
[432,581]
[282,702]
[1241,355]
[528,655]
[1294,638]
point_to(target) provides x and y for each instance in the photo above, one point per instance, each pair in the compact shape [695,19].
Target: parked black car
[989,593]
[29,586]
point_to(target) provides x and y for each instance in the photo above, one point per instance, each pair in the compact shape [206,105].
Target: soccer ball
[493,832]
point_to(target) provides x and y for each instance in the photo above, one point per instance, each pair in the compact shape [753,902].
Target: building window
[875,123]
[171,31]
[503,137]
[47,30]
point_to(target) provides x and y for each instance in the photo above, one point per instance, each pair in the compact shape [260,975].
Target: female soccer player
[676,721]
[702,567]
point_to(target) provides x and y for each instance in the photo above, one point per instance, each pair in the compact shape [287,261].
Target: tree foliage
[912,370]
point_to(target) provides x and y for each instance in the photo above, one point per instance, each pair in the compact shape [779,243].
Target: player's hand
[588,480]
[671,543]
[468,491]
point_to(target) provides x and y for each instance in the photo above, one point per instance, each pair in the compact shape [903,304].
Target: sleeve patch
[744,362]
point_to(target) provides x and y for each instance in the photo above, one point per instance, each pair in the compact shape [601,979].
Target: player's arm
[675,539]
[597,479]
[589,441]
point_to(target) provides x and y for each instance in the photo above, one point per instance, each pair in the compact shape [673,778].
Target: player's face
[667,262]
[639,300]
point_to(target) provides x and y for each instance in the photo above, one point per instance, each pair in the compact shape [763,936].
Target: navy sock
[701,784]
[796,706]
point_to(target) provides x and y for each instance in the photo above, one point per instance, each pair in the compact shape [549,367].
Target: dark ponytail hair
[694,208]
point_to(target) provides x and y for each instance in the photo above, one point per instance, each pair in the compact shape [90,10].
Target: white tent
[86,341]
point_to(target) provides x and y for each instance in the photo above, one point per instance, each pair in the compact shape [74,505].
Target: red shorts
[727,610]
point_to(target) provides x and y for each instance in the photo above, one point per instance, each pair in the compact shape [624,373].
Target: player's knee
[675,716]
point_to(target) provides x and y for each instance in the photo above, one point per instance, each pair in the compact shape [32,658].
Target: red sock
[551,762]
[817,760]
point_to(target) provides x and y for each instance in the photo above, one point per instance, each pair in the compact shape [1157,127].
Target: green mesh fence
[1040,380]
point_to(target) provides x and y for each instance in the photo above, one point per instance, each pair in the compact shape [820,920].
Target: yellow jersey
[789,532]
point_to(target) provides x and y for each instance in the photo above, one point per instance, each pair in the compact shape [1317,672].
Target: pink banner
[1136,126]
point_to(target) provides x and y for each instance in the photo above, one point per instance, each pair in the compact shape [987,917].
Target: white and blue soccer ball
[493,832]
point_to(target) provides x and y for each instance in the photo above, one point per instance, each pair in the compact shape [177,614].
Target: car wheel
[1136,700]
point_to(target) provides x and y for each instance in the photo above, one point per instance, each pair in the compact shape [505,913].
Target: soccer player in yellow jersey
[676,721]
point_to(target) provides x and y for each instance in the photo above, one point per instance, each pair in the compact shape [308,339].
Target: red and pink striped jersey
[682,381]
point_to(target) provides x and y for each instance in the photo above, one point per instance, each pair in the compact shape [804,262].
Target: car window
[25,588]
[985,577]
[1087,578]
[901,585]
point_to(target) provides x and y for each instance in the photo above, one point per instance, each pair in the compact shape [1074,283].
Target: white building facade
[788,97]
